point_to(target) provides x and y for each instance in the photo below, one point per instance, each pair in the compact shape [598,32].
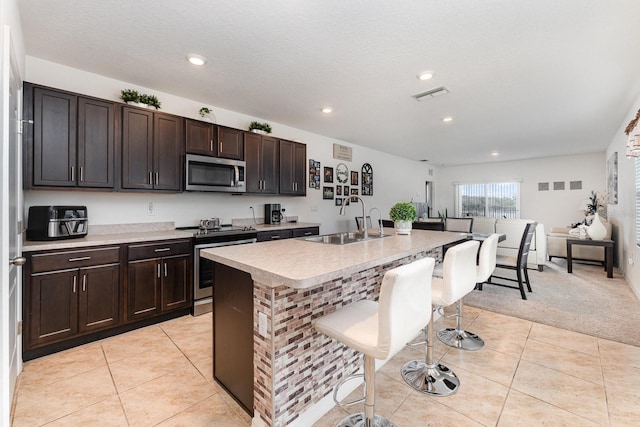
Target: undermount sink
[343,238]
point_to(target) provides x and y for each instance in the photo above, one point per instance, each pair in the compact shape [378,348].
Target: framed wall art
[612,178]
[367,180]
[314,174]
[354,178]
[327,193]
[328,174]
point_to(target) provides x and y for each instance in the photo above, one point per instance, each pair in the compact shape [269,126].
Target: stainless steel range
[210,234]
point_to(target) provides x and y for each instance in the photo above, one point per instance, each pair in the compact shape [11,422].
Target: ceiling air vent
[431,93]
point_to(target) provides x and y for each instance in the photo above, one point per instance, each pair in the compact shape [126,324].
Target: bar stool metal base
[435,380]
[461,339]
[359,420]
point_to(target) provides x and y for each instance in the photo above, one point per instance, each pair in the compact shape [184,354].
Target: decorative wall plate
[342,173]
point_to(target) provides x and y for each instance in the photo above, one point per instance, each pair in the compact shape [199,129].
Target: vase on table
[597,230]
[402,227]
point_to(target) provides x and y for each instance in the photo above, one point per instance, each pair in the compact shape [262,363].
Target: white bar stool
[380,329]
[426,376]
[458,337]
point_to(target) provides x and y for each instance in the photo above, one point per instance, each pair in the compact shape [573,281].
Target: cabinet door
[168,150]
[53,314]
[137,148]
[199,138]
[286,167]
[54,138]
[299,169]
[269,155]
[175,283]
[253,160]
[95,143]
[98,297]
[143,284]
[230,143]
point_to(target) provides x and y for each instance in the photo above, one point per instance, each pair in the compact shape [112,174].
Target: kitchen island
[295,281]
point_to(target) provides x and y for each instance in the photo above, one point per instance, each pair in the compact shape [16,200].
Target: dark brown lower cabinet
[71,297]
[158,278]
[66,303]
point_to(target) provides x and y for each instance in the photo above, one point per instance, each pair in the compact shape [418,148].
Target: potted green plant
[403,214]
[130,96]
[150,100]
[204,111]
[257,127]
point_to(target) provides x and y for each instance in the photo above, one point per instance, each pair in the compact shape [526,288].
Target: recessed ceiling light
[425,75]
[447,119]
[196,59]
[495,153]
[327,110]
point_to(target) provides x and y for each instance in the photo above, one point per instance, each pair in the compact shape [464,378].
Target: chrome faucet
[380,230]
[363,227]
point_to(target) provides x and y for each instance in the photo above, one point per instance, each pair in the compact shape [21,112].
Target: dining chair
[517,263]
[462,225]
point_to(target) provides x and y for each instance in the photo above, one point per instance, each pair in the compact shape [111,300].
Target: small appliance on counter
[272,213]
[57,222]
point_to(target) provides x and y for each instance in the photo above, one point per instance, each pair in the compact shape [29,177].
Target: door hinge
[19,327]
[21,125]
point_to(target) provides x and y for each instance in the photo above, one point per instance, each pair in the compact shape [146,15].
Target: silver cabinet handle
[157,178]
[73,173]
[81,174]
[75,281]
[162,250]
[275,237]
[82,258]
[165,269]
[158,270]
[307,233]
[18,261]
[150,178]
[84,283]
[220,147]
[211,145]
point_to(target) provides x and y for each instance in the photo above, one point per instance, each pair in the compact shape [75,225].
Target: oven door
[203,275]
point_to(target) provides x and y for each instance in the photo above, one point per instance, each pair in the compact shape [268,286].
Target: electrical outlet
[150,209]
[262,324]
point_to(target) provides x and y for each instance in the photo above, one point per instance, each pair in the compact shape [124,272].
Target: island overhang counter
[293,282]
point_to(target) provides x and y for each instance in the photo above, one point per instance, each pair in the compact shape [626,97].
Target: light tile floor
[528,374]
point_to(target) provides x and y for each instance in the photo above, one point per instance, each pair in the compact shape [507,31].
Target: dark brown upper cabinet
[71,141]
[293,159]
[261,157]
[152,150]
[201,138]
[230,143]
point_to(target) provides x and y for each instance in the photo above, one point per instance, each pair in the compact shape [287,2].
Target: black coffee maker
[272,213]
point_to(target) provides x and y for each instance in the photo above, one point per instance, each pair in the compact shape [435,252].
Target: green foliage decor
[403,211]
[204,111]
[260,126]
[131,95]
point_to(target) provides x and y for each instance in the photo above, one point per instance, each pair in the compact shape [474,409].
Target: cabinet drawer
[308,231]
[265,236]
[72,259]
[157,250]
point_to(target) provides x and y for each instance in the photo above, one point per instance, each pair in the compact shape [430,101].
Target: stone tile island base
[294,366]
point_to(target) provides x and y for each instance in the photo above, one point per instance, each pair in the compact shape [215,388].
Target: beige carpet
[585,301]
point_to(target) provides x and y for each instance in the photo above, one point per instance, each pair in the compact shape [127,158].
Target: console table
[608,253]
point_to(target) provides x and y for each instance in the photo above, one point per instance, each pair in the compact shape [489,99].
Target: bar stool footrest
[359,420]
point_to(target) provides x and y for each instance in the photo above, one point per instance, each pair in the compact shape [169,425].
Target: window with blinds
[637,201]
[497,199]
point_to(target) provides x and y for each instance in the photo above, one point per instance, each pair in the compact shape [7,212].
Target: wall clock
[342,173]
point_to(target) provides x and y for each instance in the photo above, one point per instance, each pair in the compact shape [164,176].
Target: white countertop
[129,234]
[298,264]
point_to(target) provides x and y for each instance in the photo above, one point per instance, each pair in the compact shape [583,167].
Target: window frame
[487,194]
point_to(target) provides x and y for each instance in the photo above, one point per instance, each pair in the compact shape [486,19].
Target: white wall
[552,208]
[395,179]
[623,214]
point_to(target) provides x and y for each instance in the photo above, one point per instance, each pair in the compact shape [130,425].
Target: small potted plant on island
[257,127]
[403,214]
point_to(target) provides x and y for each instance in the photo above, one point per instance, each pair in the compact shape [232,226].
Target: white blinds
[500,200]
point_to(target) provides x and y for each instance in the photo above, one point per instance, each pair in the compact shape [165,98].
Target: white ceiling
[526,78]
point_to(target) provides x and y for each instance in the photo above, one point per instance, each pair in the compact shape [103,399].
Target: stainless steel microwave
[204,173]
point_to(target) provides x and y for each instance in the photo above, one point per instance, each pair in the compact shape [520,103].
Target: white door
[10,225]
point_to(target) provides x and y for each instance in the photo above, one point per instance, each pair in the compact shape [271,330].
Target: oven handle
[220,244]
